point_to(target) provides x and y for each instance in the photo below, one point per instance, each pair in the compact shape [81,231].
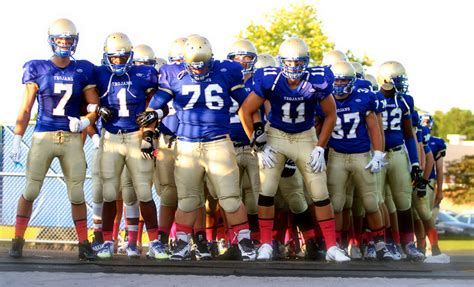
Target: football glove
[316,161]
[77,125]
[377,162]
[420,187]
[267,157]
[289,169]
[105,113]
[416,174]
[148,117]
[15,153]
[259,137]
[147,145]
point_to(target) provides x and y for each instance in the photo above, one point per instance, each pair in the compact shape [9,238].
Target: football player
[293,92]
[59,84]
[355,133]
[201,91]
[402,168]
[124,89]
[333,57]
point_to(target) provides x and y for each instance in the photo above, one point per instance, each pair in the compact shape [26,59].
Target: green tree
[296,20]
[455,121]
[462,171]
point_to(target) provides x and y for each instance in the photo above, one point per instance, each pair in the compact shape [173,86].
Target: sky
[434,40]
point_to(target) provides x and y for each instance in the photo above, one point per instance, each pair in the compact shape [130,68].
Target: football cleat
[107,250]
[213,248]
[222,246]
[336,254]
[440,259]
[158,250]
[132,251]
[394,250]
[247,249]
[122,249]
[413,253]
[313,250]
[279,250]
[96,245]
[370,253]
[382,252]
[182,251]
[16,250]
[201,250]
[86,252]
[355,253]
[265,252]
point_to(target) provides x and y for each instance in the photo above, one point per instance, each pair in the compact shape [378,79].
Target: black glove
[289,169]
[146,118]
[420,187]
[416,174]
[147,145]
[105,113]
[259,137]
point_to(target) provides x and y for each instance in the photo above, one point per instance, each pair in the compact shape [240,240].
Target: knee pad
[297,203]
[230,204]
[370,202]
[264,200]
[190,203]
[402,201]
[169,196]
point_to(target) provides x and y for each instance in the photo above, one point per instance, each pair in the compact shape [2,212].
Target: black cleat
[232,253]
[86,252]
[17,247]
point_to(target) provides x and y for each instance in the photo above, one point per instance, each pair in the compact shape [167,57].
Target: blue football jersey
[423,135]
[237,132]
[414,114]
[362,84]
[60,91]
[381,103]
[126,95]
[350,134]
[438,148]
[293,110]
[396,111]
[202,107]
[169,124]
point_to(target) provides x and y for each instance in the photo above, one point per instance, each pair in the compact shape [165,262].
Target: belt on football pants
[123,131]
[397,148]
[216,138]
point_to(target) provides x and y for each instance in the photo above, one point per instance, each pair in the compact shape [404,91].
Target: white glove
[316,161]
[15,153]
[78,125]
[266,157]
[96,141]
[377,162]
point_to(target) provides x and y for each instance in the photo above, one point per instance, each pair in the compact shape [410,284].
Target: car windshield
[463,218]
[446,217]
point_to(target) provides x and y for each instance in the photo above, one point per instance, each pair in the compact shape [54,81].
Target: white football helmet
[265,60]
[159,62]
[332,57]
[175,51]
[343,71]
[143,55]
[294,57]
[198,57]
[373,82]
[64,29]
[392,74]
[244,48]
[359,69]
[427,120]
[118,45]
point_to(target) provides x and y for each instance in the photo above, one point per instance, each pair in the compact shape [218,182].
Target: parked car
[467,217]
[449,226]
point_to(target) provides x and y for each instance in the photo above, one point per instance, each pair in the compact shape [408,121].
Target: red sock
[188,229]
[21,225]
[406,238]
[307,234]
[230,235]
[108,235]
[266,226]
[81,229]
[220,232]
[356,239]
[396,236]
[328,229]
[141,223]
[432,236]
[210,233]
[132,234]
[116,229]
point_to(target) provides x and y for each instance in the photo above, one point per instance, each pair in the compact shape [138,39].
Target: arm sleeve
[29,73]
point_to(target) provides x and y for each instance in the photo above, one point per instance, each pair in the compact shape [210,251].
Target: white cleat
[355,252]
[265,252]
[336,254]
[439,259]
[132,251]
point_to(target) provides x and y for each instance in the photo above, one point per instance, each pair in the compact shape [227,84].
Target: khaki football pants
[164,171]
[341,167]
[292,193]
[214,159]
[68,148]
[120,150]
[297,147]
[97,189]
[424,205]
[397,176]
[247,161]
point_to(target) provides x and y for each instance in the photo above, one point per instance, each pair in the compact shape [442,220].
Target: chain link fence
[51,220]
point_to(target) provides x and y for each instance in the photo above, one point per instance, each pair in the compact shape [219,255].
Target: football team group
[253,157]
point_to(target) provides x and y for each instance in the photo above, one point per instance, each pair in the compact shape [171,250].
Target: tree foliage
[462,171]
[455,121]
[296,20]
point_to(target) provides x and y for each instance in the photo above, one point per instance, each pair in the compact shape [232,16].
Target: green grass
[457,245]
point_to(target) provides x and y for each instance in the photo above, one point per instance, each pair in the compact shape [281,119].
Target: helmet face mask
[392,75]
[63,38]
[294,58]
[426,120]
[117,45]
[344,78]
[198,58]
[175,51]
[244,52]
